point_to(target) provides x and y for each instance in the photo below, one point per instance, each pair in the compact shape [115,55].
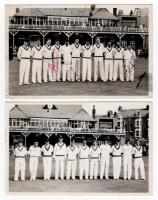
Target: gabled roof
[82,115]
[100,13]
[37,111]
[16,112]
[30,12]
[133,112]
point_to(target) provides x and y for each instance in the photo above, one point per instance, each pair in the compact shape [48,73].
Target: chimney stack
[17,10]
[115,11]
[93,112]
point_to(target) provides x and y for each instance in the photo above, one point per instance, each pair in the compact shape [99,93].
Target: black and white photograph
[68,148]
[79,50]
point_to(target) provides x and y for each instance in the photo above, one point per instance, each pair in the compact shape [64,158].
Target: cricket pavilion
[29,122]
[90,23]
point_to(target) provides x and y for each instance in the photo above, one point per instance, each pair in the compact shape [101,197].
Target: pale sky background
[101,107]
[126,8]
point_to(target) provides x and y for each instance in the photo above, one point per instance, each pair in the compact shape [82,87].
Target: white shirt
[127,55]
[109,52]
[119,53]
[47,150]
[47,51]
[66,50]
[72,152]
[84,151]
[87,51]
[127,151]
[105,150]
[94,152]
[34,151]
[59,149]
[76,50]
[133,56]
[20,152]
[57,50]
[36,52]
[116,151]
[98,49]
[137,151]
[24,52]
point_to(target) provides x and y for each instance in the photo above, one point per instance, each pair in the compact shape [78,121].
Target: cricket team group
[93,162]
[75,62]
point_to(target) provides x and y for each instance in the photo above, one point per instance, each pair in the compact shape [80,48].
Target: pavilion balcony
[63,28]
[69,130]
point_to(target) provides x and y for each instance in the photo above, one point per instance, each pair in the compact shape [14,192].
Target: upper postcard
[78,50]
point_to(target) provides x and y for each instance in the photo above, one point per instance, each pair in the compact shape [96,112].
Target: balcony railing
[78,28]
[65,129]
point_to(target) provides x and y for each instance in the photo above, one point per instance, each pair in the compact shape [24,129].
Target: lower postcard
[97,148]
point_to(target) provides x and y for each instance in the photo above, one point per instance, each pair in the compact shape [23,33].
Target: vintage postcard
[79,148]
[78,50]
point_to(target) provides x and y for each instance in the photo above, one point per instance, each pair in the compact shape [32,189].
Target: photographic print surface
[78,50]
[79,148]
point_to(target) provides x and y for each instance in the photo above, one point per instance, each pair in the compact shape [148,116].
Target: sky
[126,8]
[101,107]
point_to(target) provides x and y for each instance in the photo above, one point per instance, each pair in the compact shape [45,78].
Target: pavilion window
[10,122]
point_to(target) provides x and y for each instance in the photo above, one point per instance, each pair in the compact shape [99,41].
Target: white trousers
[36,70]
[24,71]
[75,69]
[84,168]
[47,163]
[116,167]
[109,64]
[127,167]
[86,69]
[129,70]
[66,70]
[139,164]
[19,167]
[98,66]
[104,167]
[56,71]
[33,167]
[94,168]
[71,169]
[59,167]
[47,70]
[118,67]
